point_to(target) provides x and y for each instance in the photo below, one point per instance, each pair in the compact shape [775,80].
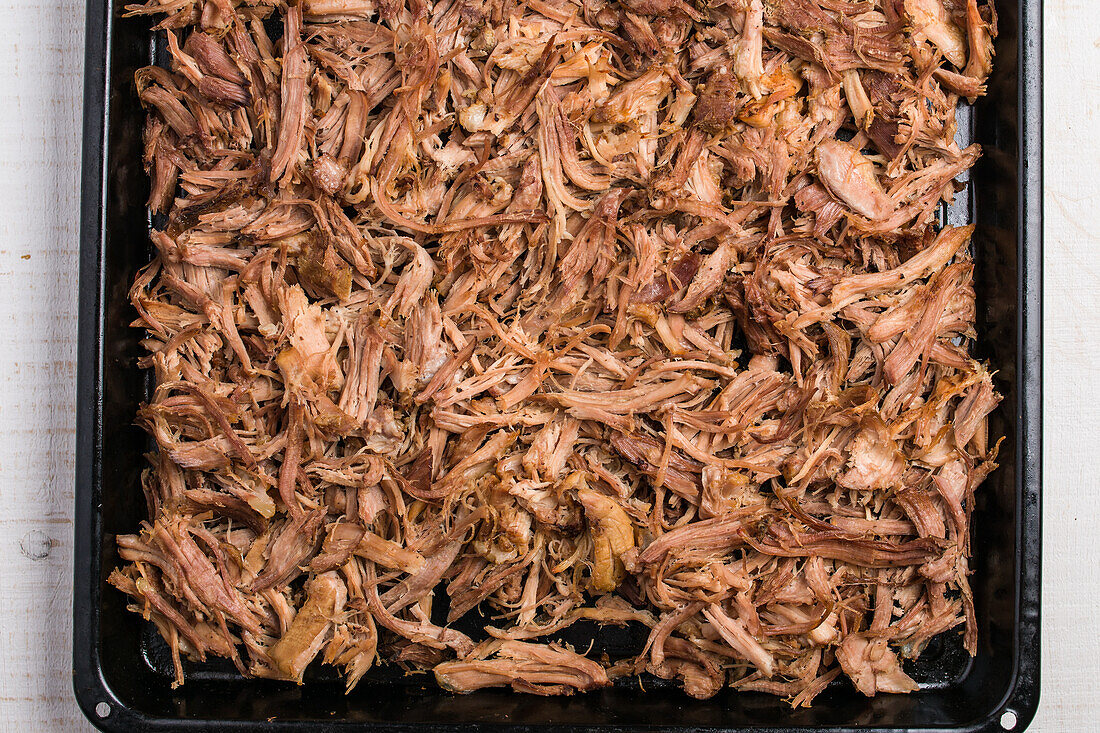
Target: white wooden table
[41,74]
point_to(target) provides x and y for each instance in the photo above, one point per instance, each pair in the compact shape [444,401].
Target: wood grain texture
[41,55]
[1071,326]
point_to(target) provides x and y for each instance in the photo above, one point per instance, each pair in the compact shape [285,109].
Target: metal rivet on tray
[102,709]
[1008,719]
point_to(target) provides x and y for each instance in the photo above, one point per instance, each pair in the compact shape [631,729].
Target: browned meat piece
[851,178]
[718,107]
[537,668]
[872,666]
[932,21]
[292,547]
[325,599]
[612,536]
[699,671]
[648,7]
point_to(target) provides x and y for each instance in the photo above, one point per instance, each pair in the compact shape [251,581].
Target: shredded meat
[631,312]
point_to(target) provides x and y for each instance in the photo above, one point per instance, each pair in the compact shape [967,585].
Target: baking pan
[121,673]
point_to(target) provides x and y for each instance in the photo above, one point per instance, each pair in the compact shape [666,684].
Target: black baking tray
[120,675]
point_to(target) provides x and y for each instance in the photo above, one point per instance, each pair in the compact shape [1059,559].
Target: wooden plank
[40,116]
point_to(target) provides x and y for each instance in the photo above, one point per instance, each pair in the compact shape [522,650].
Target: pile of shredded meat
[634,312]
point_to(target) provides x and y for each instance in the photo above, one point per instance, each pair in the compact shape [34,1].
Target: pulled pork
[628,312]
